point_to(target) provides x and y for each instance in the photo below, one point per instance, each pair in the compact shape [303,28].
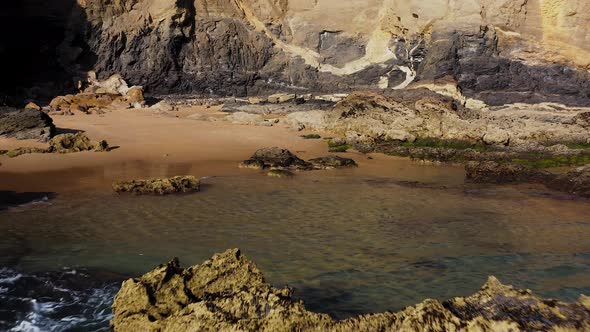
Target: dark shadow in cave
[43,51]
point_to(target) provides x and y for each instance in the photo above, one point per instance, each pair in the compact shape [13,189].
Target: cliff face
[522,50]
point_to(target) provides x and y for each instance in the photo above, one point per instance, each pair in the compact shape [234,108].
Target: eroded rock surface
[275,158]
[98,97]
[229,293]
[26,124]
[64,143]
[576,181]
[496,50]
[174,185]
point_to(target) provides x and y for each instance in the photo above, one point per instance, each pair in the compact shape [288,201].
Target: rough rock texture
[98,97]
[275,158]
[418,113]
[78,142]
[229,293]
[174,185]
[576,181]
[496,50]
[331,162]
[64,143]
[26,124]
[494,172]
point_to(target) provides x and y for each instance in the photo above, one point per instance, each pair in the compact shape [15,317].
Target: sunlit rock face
[496,50]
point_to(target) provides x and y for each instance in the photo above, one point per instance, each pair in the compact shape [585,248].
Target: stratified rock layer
[496,50]
[26,124]
[229,293]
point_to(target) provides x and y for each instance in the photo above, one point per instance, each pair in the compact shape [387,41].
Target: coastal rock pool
[349,242]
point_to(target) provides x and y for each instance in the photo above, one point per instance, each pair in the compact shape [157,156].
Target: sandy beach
[166,144]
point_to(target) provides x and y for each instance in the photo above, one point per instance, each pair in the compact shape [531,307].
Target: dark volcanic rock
[330,162]
[26,124]
[174,185]
[275,158]
[474,60]
[229,292]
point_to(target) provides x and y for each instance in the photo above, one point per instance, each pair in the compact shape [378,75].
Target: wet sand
[155,145]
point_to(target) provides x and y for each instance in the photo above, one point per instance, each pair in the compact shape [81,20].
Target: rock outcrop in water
[418,114]
[228,293]
[576,181]
[173,185]
[26,124]
[496,50]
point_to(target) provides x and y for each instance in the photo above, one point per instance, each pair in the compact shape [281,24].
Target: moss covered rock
[174,185]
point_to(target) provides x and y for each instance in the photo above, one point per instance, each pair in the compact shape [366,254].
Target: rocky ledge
[229,293]
[174,185]
[26,124]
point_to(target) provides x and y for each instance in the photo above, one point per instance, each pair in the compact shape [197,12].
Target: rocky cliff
[496,50]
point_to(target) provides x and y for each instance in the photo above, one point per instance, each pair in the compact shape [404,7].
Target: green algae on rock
[275,158]
[174,185]
[331,162]
[280,173]
[229,293]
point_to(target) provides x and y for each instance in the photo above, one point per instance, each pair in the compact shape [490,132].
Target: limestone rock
[78,142]
[32,106]
[281,98]
[163,106]
[26,124]
[177,184]
[229,293]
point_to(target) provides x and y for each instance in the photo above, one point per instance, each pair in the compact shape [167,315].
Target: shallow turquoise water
[349,242]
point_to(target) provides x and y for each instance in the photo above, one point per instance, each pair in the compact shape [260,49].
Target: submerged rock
[280,173]
[330,162]
[174,185]
[26,124]
[494,172]
[276,158]
[576,182]
[229,293]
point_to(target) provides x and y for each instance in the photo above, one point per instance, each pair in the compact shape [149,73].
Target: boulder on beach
[173,185]
[229,293]
[331,162]
[78,142]
[26,124]
[276,158]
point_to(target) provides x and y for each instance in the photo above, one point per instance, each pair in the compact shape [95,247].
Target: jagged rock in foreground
[174,185]
[229,293]
[26,124]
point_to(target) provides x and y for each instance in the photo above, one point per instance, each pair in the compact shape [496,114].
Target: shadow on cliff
[42,49]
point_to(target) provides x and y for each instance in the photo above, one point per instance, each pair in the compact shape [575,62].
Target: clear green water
[349,242]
